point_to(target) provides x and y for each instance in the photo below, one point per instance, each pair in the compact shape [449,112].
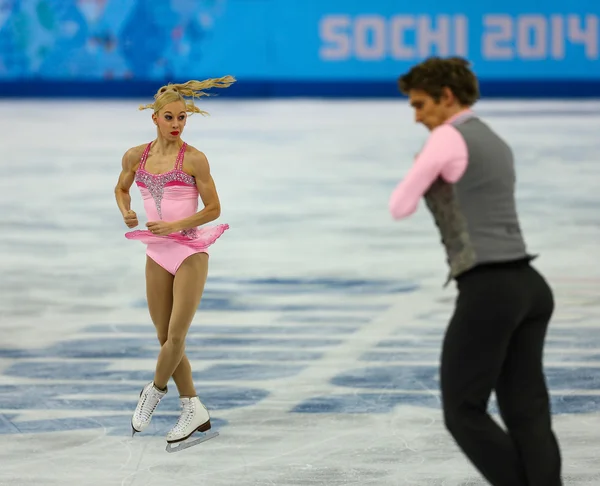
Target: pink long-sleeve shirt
[444,155]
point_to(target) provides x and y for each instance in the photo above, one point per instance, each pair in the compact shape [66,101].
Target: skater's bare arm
[129,165]
[197,165]
[444,155]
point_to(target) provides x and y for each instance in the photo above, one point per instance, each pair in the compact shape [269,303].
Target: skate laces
[152,399]
[187,414]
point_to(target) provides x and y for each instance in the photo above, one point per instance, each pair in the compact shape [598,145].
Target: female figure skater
[495,338]
[171,175]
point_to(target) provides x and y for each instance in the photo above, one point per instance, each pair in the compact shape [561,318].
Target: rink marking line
[337,358]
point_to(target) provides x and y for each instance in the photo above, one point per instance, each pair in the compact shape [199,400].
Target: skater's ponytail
[192,89]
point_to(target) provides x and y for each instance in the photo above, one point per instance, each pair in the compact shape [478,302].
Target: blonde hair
[194,89]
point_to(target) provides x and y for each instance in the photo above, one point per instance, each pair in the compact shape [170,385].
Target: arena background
[294,47]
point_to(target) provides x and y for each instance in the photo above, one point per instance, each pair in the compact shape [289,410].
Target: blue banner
[514,39]
[293,40]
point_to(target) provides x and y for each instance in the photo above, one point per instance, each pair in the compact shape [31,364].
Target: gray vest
[477,216]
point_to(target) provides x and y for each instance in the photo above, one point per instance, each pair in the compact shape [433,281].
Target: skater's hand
[161,228]
[130,219]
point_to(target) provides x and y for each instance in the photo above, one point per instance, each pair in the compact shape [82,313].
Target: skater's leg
[159,293]
[188,286]
[522,394]
[474,349]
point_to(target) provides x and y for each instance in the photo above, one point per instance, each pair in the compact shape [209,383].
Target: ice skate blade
[179,446]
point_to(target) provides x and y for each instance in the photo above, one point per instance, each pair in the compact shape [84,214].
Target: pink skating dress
[170,197]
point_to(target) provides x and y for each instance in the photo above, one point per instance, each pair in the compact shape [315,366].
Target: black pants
[495,341]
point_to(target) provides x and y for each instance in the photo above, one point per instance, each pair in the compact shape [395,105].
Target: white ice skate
[150,397]
[194,417]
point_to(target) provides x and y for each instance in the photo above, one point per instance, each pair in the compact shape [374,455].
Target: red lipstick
[174,133]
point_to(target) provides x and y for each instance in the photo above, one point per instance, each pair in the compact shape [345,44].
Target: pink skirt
[202,238]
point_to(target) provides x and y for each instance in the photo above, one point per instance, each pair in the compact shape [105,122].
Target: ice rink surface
[316,344]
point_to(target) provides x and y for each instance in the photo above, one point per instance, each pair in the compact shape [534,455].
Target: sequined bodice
[169,196]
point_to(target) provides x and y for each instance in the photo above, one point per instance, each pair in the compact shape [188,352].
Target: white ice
[316,345]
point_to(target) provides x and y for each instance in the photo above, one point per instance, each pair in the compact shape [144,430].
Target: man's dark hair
[435,73]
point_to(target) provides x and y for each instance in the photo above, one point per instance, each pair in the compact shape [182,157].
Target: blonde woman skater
[171,175]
